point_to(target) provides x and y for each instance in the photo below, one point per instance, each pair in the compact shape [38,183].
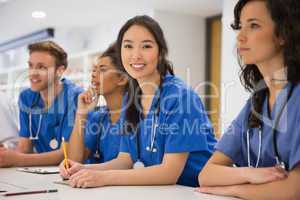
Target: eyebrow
[39,63]
[253,19]
[144,41]
[102,66]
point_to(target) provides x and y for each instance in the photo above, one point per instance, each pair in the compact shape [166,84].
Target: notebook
[39,170]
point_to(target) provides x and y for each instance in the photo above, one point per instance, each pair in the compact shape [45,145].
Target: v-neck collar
[59,98]
[154,105]
[279,101]
[122,115]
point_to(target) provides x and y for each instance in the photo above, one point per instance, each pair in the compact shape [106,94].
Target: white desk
[13,181]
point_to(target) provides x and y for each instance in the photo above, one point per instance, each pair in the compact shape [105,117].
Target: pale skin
[260,46]
[44,77]
[108,82]
[138,48]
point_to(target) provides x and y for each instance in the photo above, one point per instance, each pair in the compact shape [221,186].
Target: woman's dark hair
[285,15]
[111,52]
[164,66]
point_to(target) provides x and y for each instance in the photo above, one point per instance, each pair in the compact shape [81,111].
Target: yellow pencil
[65,153]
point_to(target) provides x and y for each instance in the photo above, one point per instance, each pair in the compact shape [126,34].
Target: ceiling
[15,15]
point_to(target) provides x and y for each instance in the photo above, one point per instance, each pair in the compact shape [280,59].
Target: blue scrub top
[183,126]
[56,122]
[234,141]
[102,136]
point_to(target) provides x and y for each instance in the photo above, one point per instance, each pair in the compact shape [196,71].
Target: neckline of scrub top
[154,104]
[61,94]
[280,99]
[122,115]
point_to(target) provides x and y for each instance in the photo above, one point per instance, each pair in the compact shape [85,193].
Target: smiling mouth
[137,66]
[35,80]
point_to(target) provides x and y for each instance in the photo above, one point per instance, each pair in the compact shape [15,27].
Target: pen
[65,153]
[2,191]
[30,192]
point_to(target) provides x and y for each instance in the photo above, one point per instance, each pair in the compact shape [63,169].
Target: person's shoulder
[72,88]
[296,90]
[28,96]
[173,85]
[295,98]
[177,94]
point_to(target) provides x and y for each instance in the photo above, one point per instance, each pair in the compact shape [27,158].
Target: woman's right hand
[265,175]
[73,168]
[87,101]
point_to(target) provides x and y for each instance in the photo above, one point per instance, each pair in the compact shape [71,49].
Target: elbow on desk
[173,180]
[203,178]
[169,176]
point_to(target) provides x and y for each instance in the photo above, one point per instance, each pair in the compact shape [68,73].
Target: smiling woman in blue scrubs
[46,109]
[97,130]
[263,142]
[167,129]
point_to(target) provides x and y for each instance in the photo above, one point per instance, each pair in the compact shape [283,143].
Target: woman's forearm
[220,175]
[76,147]
[154,175]
[270,191]
[39,159]
[123,161]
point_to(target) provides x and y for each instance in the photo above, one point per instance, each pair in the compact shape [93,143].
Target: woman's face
[257,42]
[139,53]
[105,77]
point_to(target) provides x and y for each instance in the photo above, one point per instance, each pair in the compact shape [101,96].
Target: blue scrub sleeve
[231,141]
[187,125]
[294,158]
[128,145]
[91,131]
[23,118]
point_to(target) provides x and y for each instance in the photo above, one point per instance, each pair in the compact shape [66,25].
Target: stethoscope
[150,147]
[278,159]
[97,153]
[53,142]
[36,135]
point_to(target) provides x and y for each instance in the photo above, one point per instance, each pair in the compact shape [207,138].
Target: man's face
[42,70]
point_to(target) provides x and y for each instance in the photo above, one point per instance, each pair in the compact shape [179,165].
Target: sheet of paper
[39,170]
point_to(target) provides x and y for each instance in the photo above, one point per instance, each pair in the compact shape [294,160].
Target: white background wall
[185,34]
[233,94]
[186,39]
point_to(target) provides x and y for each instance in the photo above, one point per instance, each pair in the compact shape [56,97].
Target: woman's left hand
[87,178]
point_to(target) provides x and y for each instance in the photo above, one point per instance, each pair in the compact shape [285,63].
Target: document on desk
[39,170]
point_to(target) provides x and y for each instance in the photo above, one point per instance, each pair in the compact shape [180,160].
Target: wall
[185,35]
[233,94]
